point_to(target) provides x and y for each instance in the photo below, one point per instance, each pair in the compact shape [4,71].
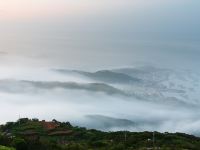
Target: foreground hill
[32,134]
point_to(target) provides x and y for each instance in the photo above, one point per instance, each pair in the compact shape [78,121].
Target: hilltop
[32,134]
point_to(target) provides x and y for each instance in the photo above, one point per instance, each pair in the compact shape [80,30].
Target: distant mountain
[106,76]
[165,85]
[20,86]
[148,83]
[106,122]
[148,73]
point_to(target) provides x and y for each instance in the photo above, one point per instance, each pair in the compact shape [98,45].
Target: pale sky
[57,32]
[21,9]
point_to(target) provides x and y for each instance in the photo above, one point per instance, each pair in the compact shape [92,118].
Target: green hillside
[32,134]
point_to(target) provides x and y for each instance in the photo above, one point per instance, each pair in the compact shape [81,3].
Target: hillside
[32,134]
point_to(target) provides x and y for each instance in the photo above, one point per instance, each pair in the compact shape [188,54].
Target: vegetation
[6,148]
[32,134]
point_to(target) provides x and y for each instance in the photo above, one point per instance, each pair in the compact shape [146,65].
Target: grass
[6,148]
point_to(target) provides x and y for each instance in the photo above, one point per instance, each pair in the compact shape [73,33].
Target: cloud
[145,83]
[152,104]
[14,86]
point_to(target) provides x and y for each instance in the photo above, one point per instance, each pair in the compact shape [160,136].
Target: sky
[59,32]
[39,36]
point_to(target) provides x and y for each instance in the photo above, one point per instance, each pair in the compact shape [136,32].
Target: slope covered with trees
[32,134]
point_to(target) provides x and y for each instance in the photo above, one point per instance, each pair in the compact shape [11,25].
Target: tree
[20,144]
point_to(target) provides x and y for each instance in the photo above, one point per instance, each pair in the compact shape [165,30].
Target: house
[49,125]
